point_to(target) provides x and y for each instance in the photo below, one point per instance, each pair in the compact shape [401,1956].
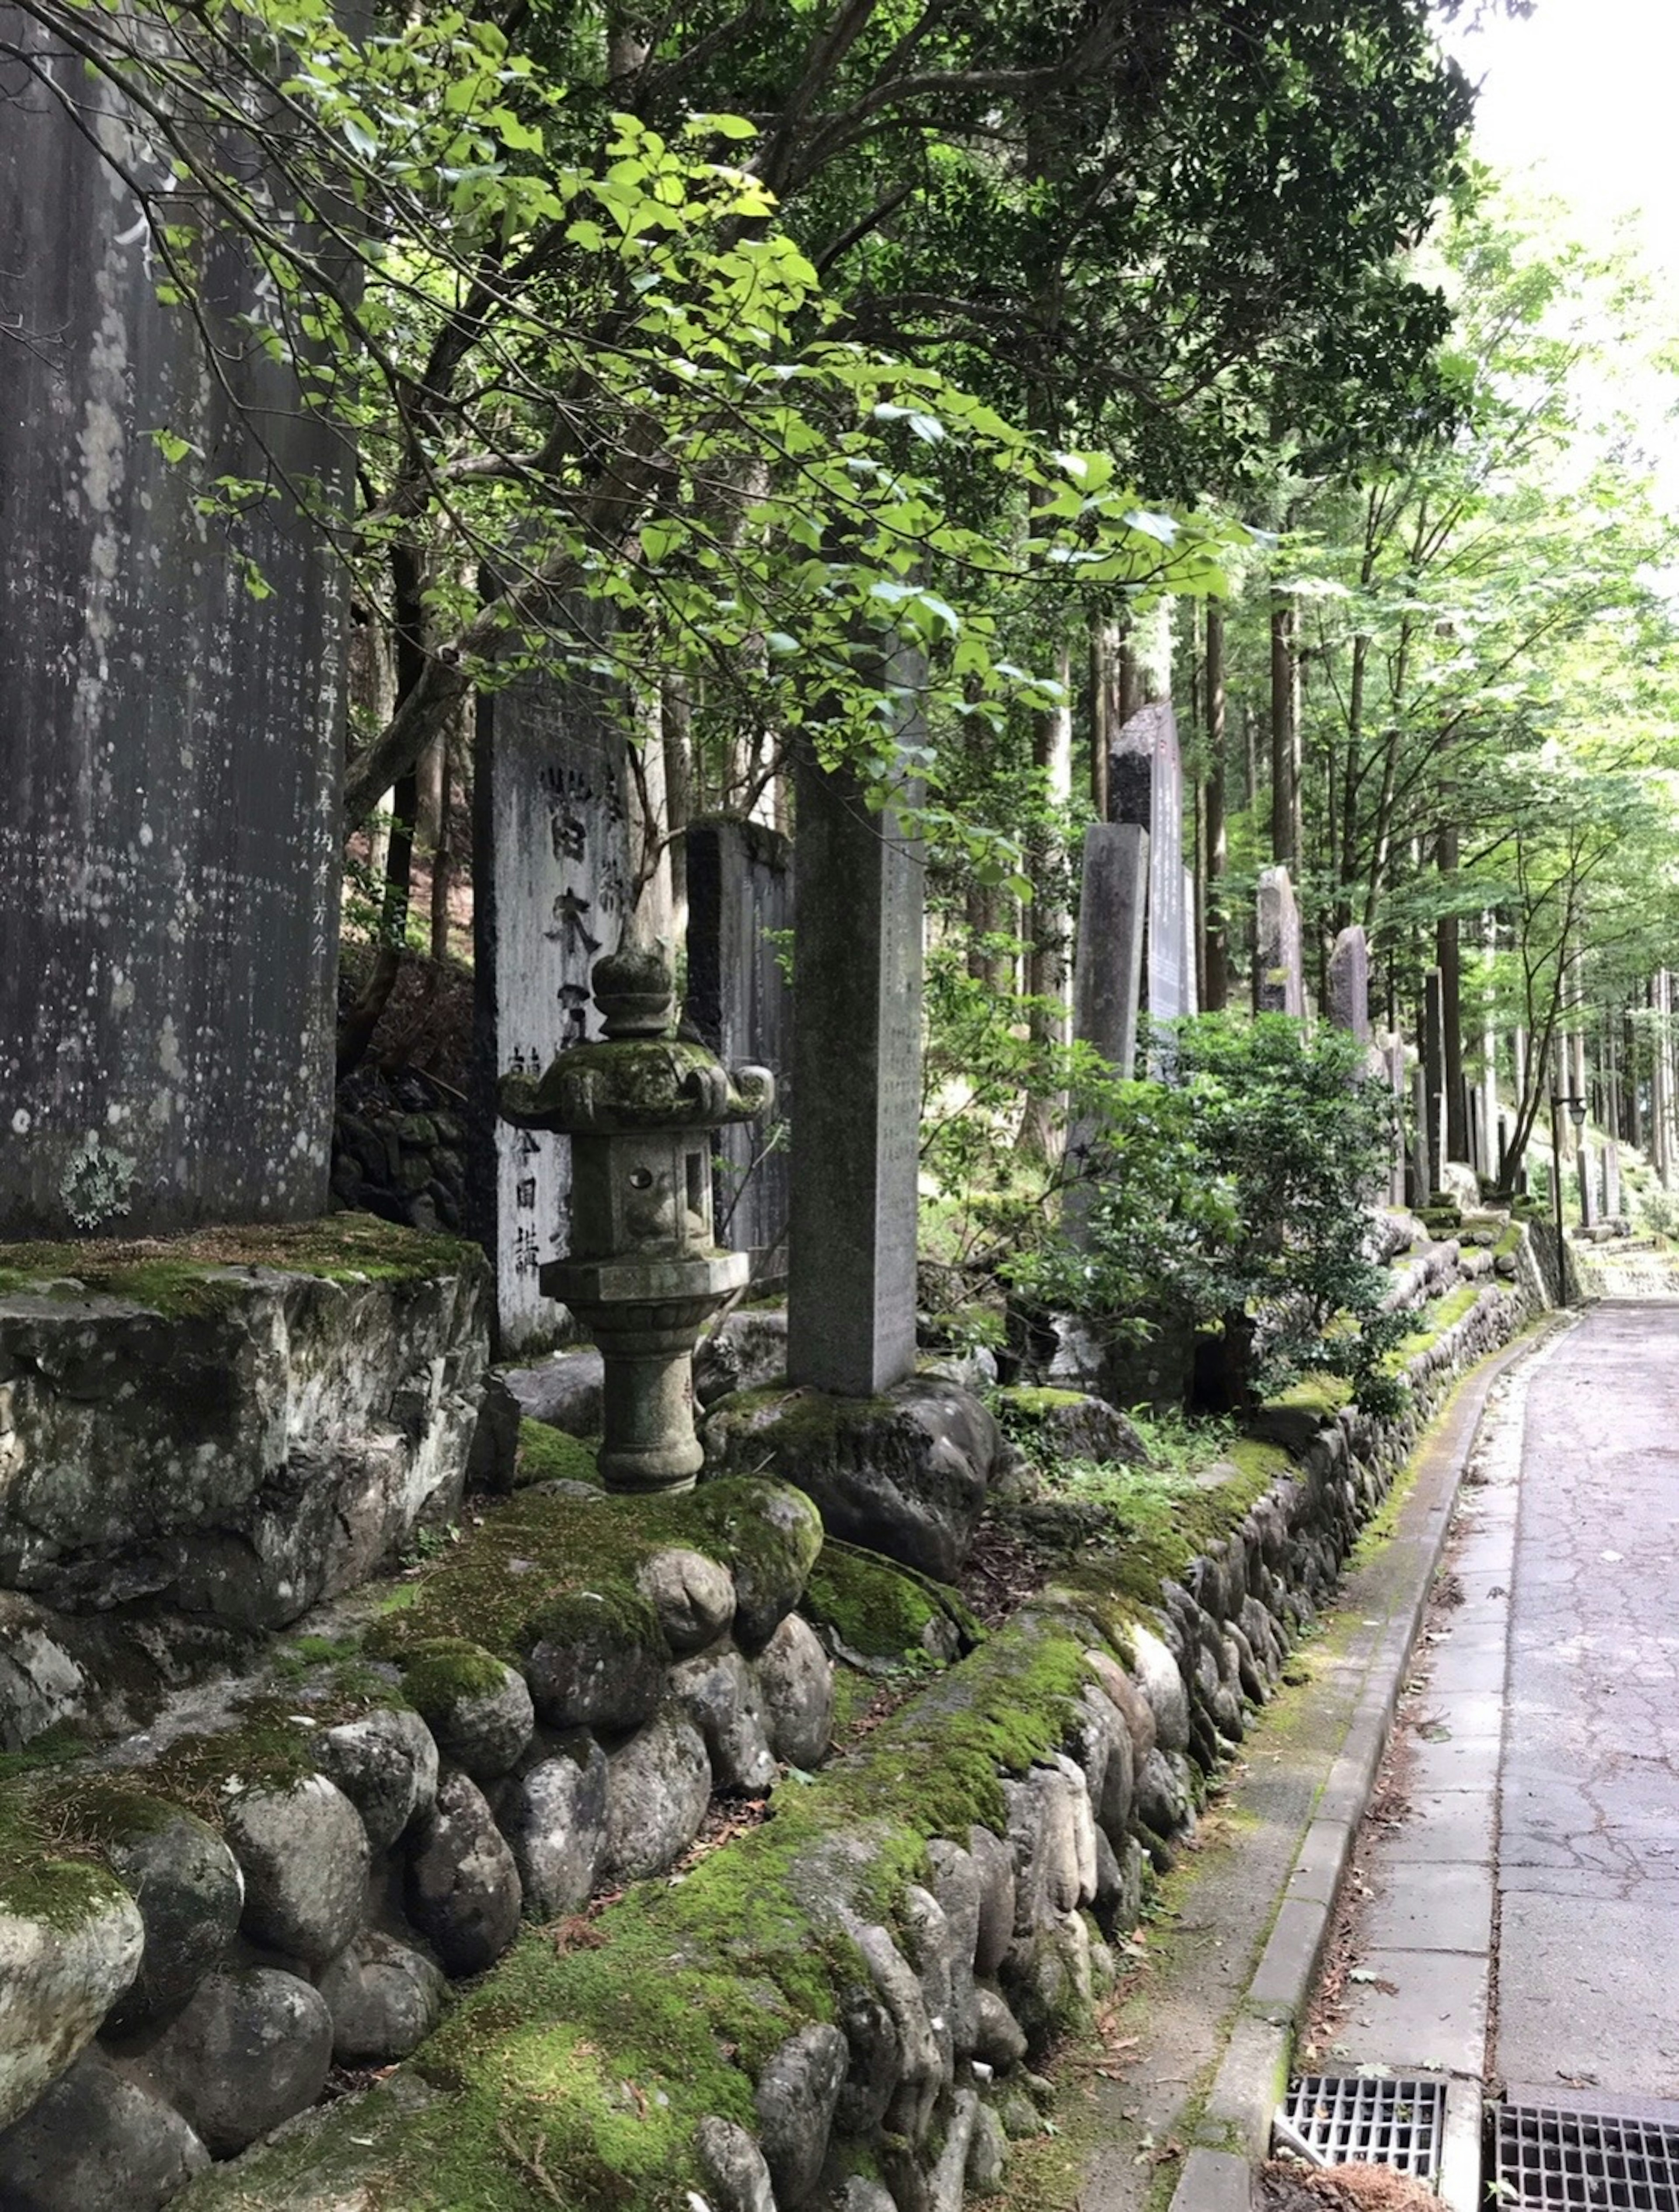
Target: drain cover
[1359,2119]
[1561,2157]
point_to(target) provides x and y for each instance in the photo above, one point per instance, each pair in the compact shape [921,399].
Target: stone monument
[552,885]
[171,745]
[858,905]
[740,1001]
[1146,788]
[1349,984]
[1279,981]
[642,1271]
[1107,965]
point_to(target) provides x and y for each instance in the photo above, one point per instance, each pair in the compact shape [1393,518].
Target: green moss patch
[546,1454]
[198,1274]
[499,1586]
[881,1610]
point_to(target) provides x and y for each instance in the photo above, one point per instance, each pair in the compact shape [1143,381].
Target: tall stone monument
[553,882]
[1393,1055]
[858,906]
[170,747]
[1189,988]
[1107,965]
[739,999]
[1433,1067]
[1279,981]
[1349,984]
[1146,788]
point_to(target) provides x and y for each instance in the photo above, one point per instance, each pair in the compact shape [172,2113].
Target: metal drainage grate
[1357,2119]
[1554,2158]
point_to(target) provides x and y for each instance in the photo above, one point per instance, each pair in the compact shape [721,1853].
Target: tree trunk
[1103,716]
[677,727]
[1215,995]
[1047,977]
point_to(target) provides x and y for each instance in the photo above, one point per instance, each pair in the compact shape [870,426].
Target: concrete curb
[1392,1595]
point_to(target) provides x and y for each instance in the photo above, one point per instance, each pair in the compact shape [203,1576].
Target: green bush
[1236,1200]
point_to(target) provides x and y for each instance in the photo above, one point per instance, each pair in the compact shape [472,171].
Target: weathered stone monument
[549,899]
[739,999]
[1146,788]
[856,1080]
[1433,1067]
[1349,984]
[1189,988]
[1279,981]
[1107,965]
[641,1271]
[1425,1162]
[170,743]
[1393,1055]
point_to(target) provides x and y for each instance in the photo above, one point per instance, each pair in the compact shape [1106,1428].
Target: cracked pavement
[1521,1921]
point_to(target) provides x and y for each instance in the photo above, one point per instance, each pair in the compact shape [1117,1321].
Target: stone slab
[1424,2009]
[856,1073]
[1446,1827]
[1454,1762]
[1214,2181]
[171,745]
[1432,1908]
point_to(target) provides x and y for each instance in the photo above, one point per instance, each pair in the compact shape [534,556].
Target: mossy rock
[500,1585]
[878,1610]
[204,1272]
[548,1454]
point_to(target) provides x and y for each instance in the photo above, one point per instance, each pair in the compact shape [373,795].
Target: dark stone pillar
[856,1076]
[170,747]
[740,904]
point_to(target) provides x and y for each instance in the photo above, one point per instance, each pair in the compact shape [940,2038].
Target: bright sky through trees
[1582,92]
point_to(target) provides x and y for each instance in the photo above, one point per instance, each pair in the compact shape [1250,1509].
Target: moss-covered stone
[501,1585]
[548,1454]
[201,1273]
[883,1611]
[439,1673]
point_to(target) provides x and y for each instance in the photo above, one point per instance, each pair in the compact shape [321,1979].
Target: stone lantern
[642,1273]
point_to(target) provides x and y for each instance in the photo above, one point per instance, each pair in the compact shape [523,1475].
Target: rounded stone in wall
[384,1998]
[385,1763]
[476,1707]
[191,1894]
[463,1890]
[795,1680]
[97,2142]
[252,2048]
[60,1974]
[717,1690]
[304,1855]
[658,1787]
[554,1817]
[693,1596]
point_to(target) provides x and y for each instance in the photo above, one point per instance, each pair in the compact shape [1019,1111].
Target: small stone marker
[1146,787]
[739,907]
[552,885]
[858,903]
[1279,983]
[1350,983]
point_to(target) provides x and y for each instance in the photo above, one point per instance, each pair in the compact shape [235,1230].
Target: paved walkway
[1522,1921]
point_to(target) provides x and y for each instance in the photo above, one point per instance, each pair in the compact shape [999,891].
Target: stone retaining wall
[839,2008]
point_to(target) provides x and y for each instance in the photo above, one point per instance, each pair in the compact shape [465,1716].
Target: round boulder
[1162,1684]
[658,1787]
[252,2048]
[795,1681]
[61,1971]
[191,1894]
[304,1855]
[718,1693]
[95,2142]
[692,1596]
[599,1661]
[795,2098]
[384,1998]
[554,1817]
[386,1763]
[463,1885]
[477,1708]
